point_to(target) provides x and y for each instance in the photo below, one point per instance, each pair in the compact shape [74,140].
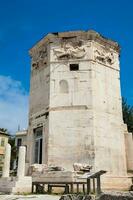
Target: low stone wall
[103,196]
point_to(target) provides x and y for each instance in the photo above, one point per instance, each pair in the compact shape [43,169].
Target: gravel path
[29,197]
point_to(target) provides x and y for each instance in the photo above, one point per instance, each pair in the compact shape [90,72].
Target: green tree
[127,114]
[3,130]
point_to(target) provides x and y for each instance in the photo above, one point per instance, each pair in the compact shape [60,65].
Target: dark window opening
[2,142]
[74,67]
[38,145]
[19,142]
[40,155]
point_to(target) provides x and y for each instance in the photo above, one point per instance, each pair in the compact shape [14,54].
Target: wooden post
[94,189]
[67,189]
[49,189]
[98,185]
[32,187]
[72,188]
[88,186]
[77,188]
[83,188]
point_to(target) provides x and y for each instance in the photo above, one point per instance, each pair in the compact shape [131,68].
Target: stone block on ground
[36,169]
[55,176]
[14,185]
[79,167]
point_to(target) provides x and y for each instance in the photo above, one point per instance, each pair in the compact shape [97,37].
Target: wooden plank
[96,174]
[56,182]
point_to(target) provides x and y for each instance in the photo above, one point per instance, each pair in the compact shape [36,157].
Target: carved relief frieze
[103,56]
[69,51]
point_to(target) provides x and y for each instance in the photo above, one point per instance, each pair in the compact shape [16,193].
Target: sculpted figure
[105,57]
[68,51]
[82,167]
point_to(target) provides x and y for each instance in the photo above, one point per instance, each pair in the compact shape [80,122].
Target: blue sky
[24,22]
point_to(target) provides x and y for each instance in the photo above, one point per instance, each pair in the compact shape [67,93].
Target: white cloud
[13,104]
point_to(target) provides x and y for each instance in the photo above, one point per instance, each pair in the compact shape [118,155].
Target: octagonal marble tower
[75,103]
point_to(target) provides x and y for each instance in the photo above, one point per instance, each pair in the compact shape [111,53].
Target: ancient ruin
[75,111]
[18,184]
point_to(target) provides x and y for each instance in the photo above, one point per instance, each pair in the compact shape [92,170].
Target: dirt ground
[29,197]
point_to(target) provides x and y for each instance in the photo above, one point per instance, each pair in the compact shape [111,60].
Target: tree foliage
[127,114]
[3,130]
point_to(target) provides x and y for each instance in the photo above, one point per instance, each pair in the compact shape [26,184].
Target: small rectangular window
[74,67]
[2,142]
[19,142]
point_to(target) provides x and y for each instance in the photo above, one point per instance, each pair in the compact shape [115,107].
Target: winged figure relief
[105,57]
[69,51]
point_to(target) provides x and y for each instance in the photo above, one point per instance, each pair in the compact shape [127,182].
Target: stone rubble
[43,168]
[104,196]
[79,167]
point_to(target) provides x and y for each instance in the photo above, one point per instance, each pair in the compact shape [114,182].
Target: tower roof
[88,35]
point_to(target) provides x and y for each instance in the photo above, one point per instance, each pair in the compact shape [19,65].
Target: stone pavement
[29,197]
